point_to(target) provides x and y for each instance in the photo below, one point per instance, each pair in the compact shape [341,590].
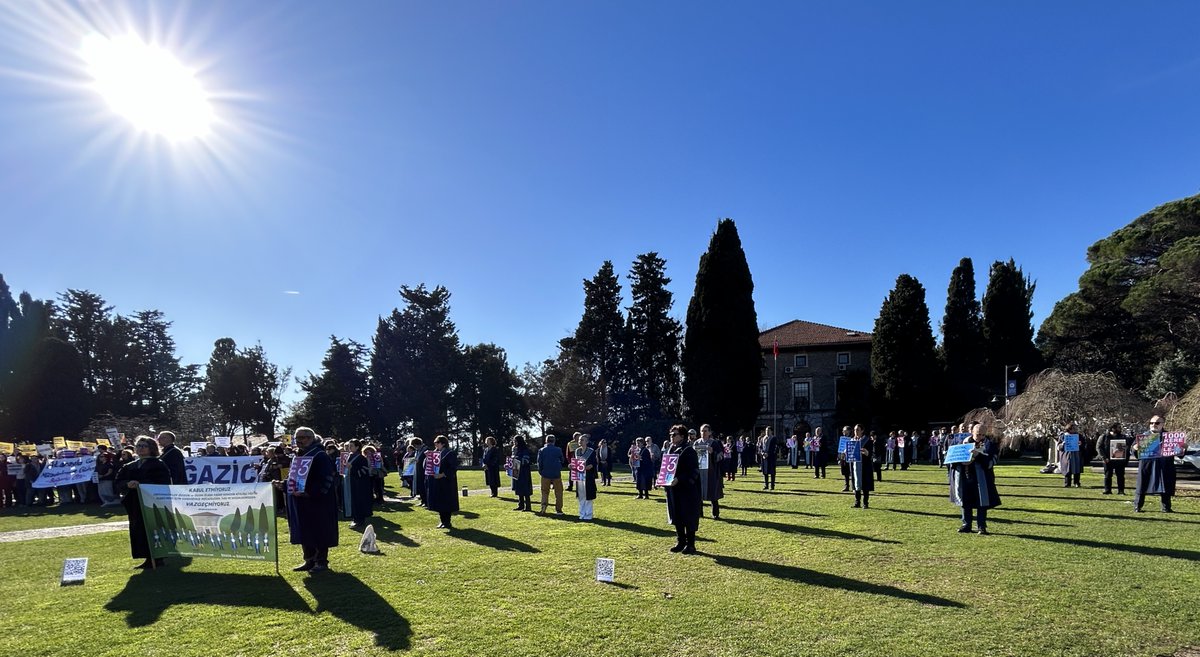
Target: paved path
[58,532]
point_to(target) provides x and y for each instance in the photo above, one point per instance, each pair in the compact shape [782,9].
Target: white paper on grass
[74,571]
[605,569]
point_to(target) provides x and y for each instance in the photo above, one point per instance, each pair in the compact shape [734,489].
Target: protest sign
[74,445]
[960,453]
[791,442]
[606,569]
[298,474]
[68,454]
[343,463]
[1149,445]
[433,463]
[198,446]
[235,521]
[45,450]
[222,441]
[14,468]
[1070,442]
[508,465]
[26,449]
[1173,443]
[104,441]
[842,444]
[410,467]
[377,461]
[74,571]
[222,469]
[576,469]
[66,471]
[8,448]
[666,471]
[113,435]
[702,455]
[59,442]
[1118,449]
[853,451]
[900,441]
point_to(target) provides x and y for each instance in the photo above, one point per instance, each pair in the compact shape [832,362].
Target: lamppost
[1009,389]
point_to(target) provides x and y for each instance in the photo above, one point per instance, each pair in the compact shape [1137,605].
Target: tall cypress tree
[654,337]
[1007,323]
[962,340]
[721,356]
[600,338]
[336,399]
[903,361]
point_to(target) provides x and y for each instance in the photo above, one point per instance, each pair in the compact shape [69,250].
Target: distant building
[821,369]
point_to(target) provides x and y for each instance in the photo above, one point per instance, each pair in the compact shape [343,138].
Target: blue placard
[1012,387]
[1070,442]
[959,453]
[842,444]
[853,451]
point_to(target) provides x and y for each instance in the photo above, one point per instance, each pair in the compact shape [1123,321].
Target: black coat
[358,471]
[312,519]
[441,493]
[172,457]
[684,495]
[492,460]
[143,471]
[419,473]
[716,466]
[770,455]
[522,483]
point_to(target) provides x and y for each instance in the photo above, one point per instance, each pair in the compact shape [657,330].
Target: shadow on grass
[827,580]
[621,585]
[775,492]
[641,529]
[1108,516]
[1186,555]
[793,513]
[991,518]
[351,601]
[494,541]
[808,531]
[85,512]
[387,531]
[149,593]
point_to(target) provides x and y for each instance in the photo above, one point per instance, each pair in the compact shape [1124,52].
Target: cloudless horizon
[505,150]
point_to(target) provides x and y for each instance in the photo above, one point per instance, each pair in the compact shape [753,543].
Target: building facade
[821,377]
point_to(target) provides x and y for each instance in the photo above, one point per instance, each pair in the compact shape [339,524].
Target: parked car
[1189,459]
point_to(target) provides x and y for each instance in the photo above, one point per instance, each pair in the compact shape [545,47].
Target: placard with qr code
[605,570]
[74,571]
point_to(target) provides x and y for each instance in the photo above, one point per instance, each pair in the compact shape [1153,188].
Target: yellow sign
[7,448]
[91,447]
[27,449]
[103,441]
[74,444]
[59,442]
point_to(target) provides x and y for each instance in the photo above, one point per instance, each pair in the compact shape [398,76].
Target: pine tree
[962,341]
[903,361]
[83,320]
[336,399]
[721,357]
[487,398]
[654,340]
[1007,325]
[600,338]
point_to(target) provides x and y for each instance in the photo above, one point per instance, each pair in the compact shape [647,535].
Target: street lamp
[1009,389]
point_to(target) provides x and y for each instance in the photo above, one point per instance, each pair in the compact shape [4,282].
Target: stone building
[821,376]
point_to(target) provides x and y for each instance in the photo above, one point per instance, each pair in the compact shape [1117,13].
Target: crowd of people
[691,467]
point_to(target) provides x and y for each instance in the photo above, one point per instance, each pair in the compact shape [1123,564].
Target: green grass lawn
[795,571]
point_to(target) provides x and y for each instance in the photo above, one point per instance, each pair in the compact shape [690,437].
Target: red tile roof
[799,333]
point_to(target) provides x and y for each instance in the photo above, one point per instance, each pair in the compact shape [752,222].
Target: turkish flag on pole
[775,348]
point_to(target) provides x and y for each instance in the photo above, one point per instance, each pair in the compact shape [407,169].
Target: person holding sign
[1070,461]
[683,494]
[492,459]
[820,459]
[841,457]
[586,490]
[311,502]
[441,487]
[714,485]
[1114,451]
[972,481]
[522,479]
[860,453]
[147,469]
[1156,473]
[643,470]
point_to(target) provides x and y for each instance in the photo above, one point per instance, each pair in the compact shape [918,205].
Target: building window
[801,360]
[843,358]
[801,394]
[763,391]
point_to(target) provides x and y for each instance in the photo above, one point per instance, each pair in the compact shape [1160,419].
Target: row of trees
[75,366]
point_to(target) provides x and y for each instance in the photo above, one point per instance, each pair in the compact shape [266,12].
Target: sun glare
[148,86]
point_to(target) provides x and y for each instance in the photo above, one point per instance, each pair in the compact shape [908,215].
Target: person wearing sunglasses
[1156,474]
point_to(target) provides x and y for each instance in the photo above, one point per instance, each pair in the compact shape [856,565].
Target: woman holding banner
[147,469]
[586,491]
[1156,473]
[522,478]
[683,493]
[1070,464]
[441,486]
[973,483]
[492,459]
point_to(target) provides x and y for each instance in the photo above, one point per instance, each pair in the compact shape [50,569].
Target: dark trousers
[686,535]
[444,516]
[878,471]
[1117,469]
[716,508]
[966,517]
[1139,498]
[377,488]
[525,502]
[769,480]
[862,497]
[1068,479]
[314,554]
[495,490]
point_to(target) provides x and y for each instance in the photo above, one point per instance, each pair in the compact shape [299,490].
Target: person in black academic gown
[441,489]
[312,512]
[492,460]
[1156,475]
[769,459]
[716,462]
[358,472]
[973,484]
[643,473]
[860,471]
[419,473]
[147,469]
[522,476]
[684,494]
[172,458]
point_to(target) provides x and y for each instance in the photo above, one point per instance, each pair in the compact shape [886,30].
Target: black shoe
[1107,492]
[983,531]
[846,489]
[764,487]
[319,568]
[690,549]
[965,529]
[307,565]
[866,506]
[856,506]
[1137,509]
[145,565]
[1167,510]
[678,547]
[440,526]
[716,516]
[520,508]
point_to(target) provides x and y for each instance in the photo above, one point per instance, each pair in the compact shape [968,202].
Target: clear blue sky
[506,149]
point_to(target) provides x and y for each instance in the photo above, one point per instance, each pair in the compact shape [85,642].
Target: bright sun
[148,86]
